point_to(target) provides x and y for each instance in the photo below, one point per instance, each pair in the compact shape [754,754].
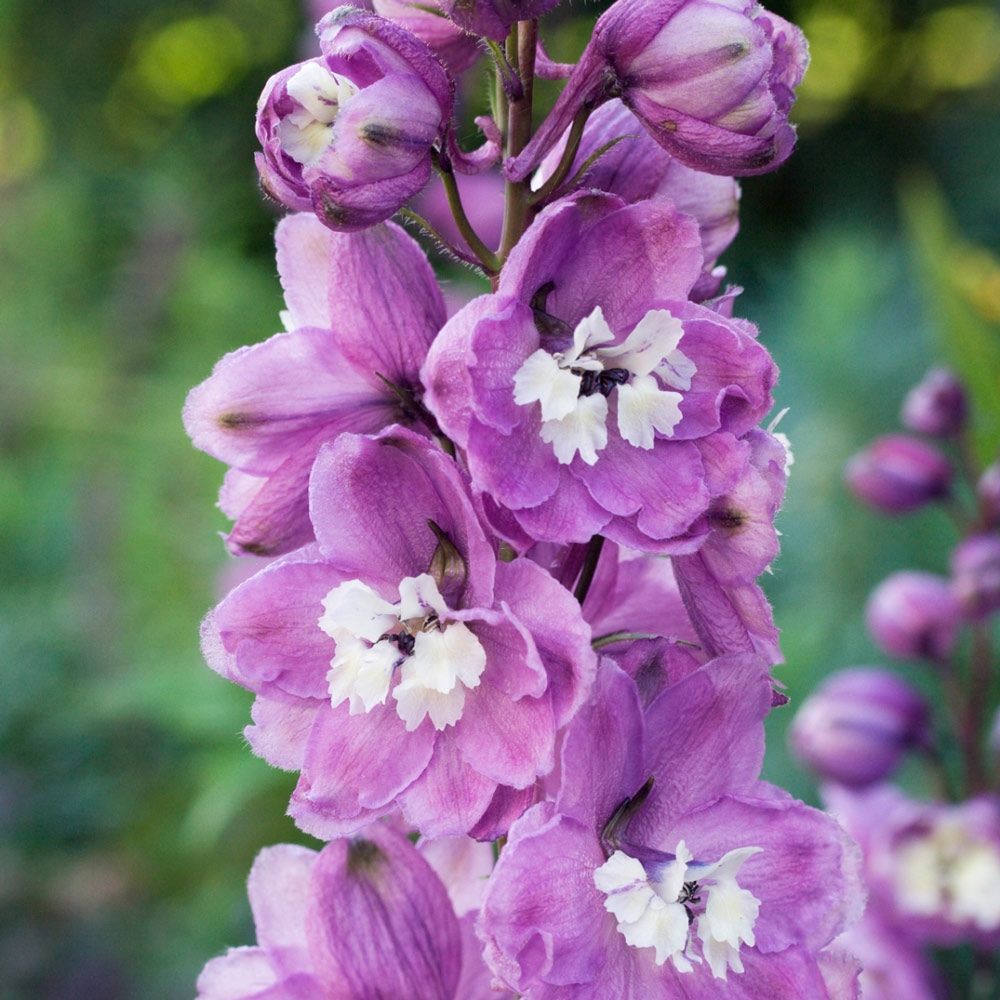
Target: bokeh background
[135,250]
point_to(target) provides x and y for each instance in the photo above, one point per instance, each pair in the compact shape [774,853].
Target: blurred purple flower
[933,869]
[975,569]
[988,493]
[936,405]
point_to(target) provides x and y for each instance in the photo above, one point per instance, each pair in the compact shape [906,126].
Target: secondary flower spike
[365,917]
[586,390]
[397,663]
[712,82]
[362,310]
[349,134]
[664,868]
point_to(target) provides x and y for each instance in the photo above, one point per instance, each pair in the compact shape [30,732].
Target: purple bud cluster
[932,868]
[510,636]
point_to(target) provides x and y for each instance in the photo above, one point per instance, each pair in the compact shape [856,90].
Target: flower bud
[857,726]
[349,134]
[975,568]
[897,474]
[493,18]
[914,615]
[636,168]
[936,405]
[711,81]
[988,491]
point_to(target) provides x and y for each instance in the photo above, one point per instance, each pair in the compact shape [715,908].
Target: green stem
[590,562]
[485,255]
[418,220]
[613,637]
[521,43]
[568,157]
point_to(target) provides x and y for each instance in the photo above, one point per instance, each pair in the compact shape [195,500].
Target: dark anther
[601,381]
[403,641]
[689,894]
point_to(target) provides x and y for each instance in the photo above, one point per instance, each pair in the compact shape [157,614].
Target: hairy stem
[418,220]
[521,53]
[485,255]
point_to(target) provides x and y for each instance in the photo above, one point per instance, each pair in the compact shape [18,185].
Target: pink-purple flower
[364,917]
[712,82]
[664,867]
[349,134]
[585,392]
[636,168]
[361,312]
[397,663]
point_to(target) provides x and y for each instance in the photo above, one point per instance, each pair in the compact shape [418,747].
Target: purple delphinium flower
[349,134]
[712,82]
[858,725]
[585,392]
[365,917]
[664,867]
[362,310]
[397,662]
[915,615]
[637,168]
[897,474]
[932,869]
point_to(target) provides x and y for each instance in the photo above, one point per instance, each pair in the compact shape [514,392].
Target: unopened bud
[914,615]
[936,405]
[856,727]
[897,474]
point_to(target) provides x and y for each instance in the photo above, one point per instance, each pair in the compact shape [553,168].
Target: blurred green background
[135,250]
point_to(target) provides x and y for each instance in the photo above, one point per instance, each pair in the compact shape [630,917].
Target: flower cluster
[932,868]
[512,602]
